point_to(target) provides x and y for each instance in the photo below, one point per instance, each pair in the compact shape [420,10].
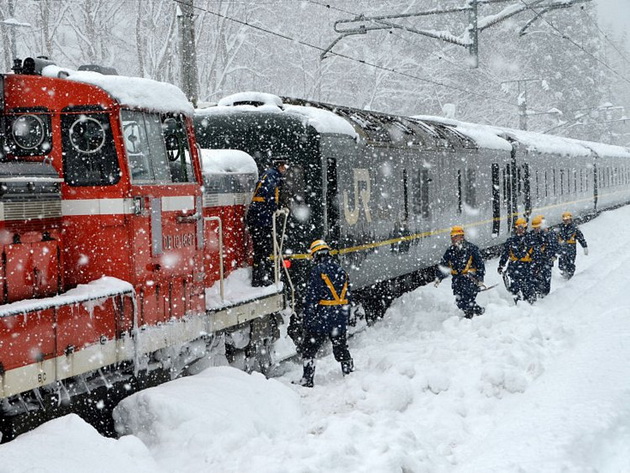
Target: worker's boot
[308,374]
[347,367]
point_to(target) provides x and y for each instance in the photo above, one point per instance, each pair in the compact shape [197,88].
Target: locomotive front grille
[30,210]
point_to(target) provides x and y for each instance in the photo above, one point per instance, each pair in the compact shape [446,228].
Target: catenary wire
[350,58]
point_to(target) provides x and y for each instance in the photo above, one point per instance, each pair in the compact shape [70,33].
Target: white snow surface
[101,288]
[135,92]
[520,389]
[224,161]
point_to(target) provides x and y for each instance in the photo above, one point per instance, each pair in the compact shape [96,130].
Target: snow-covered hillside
[527,389]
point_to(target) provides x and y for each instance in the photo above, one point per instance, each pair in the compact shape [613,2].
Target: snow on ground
[522,389]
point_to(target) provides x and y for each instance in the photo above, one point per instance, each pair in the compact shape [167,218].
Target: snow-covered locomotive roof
[324,121]
[225,161]
[134,92]
[494,137]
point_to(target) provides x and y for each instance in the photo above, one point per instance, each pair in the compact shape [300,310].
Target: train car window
[426,204]
[553,177]
[177,148]
[561,181]
[145,148]
[527,193]
[496,200]
[471,188]
[459,191]
[537,186]
[293,192]
[405,196]
[416,192]
[546,184]
[332,201]
[27,132]
[89,154]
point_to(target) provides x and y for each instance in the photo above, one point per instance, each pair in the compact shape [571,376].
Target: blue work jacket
[265,199]
[327,297]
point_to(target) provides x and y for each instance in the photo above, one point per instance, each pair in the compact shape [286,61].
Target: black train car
[384,190]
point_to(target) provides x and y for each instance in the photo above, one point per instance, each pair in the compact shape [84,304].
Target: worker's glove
[437,282]
[585,251]
[295,329]
[500,270]
[355,312]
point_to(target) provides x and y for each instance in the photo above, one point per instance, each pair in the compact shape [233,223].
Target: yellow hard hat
[457,230]
[537,221]
[520,222]
[567,215]
[318,245]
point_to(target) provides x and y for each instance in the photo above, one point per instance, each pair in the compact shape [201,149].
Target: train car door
[166,230]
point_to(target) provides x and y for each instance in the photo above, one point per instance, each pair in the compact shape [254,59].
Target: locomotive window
[87,135]
[144,143]
[177,148]
[28,134]
[89,154]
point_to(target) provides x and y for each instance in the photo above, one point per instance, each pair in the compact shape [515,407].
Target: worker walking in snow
[568,235]
[259,221]
[326,310]
[463,261]
[545,251]
[519,250]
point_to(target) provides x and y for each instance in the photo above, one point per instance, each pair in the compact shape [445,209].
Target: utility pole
[473,33]
[188,54]
[522,100]
[13,41]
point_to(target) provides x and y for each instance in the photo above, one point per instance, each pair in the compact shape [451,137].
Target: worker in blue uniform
[519,250]
[325,312]
[259,220]
[463,261]
[568,235]
[545,252]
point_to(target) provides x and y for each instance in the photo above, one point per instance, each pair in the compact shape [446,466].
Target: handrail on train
[277,252]
[221,278]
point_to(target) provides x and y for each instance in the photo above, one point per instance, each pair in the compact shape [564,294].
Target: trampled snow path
[527,389]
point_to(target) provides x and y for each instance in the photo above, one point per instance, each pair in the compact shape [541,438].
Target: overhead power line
[349,58]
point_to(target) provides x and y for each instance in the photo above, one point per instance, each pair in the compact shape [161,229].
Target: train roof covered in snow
[134,92]
[420,130]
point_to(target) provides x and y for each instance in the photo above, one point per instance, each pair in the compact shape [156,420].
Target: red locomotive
[114,239]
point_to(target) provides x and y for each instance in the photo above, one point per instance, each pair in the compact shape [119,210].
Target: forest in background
[576,75]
